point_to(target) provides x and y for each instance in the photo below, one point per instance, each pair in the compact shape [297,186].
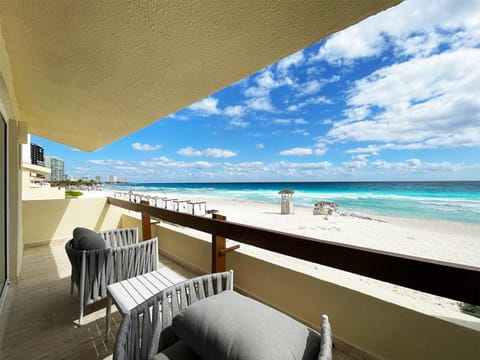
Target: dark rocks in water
[325,208]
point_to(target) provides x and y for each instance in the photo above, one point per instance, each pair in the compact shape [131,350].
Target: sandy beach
[446,241]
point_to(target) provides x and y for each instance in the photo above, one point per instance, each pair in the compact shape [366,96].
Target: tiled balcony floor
[40,315]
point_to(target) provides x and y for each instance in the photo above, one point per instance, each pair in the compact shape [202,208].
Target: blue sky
[395,97]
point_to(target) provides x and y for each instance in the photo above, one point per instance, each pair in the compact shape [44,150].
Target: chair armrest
[326,342]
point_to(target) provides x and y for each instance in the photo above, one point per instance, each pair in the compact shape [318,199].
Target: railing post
[219,249]
[146,226]
[218,244]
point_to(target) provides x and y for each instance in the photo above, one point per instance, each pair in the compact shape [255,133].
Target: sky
[395,97]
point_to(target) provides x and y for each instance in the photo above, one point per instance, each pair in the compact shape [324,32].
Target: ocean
[444,200]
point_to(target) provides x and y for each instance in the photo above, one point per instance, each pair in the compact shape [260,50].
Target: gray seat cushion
[86,239]
[232,326]
[177,351]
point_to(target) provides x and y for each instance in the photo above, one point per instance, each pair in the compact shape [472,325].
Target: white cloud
[361,157]
[189,151]
[260,146]
[145,147]
[302,132]
[416,28]
[358,112]
[417,166]
[177,116]
[107,162]
[301,166]
[164,162]
[357,164]
[210,152]
[355,42]
[421,103]
[207,106]
[282,121]
[320,148]
[309,101]
[266,80]
[309,88]
[257,91]
[219,153]
[297,151]
[260,103]
[375,149]
[300,121]
[292,60]
[259,95]
[239,123]
[235,111]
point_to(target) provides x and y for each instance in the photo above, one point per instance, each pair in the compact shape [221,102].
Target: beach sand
[446,241]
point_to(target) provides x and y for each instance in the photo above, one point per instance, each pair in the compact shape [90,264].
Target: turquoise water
[447,200]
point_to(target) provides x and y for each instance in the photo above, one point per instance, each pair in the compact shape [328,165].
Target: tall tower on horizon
[57,167]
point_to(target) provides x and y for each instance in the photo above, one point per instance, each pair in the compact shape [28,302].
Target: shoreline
[431,239]
[454,201]
[434,239]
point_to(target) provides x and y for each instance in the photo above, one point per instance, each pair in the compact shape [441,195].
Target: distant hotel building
[57,167]
[36,155]
[35,174]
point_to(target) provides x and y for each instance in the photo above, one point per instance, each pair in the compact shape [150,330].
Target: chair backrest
[146,330]
[120,237]
[103,267]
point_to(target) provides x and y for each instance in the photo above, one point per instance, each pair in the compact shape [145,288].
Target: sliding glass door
[3,204]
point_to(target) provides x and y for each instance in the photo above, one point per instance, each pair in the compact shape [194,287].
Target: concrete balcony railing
[375,327]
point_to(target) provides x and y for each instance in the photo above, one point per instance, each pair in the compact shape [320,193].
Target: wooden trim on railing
[146,225]
[219,261]
[454,281]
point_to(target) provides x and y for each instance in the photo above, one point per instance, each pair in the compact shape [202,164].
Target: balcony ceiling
[86,73]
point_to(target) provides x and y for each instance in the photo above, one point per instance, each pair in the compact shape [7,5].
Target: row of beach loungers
[183,206]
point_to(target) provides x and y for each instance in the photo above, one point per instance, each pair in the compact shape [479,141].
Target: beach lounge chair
[100,259]
[203,318]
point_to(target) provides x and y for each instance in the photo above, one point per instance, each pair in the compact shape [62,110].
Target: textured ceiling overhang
[86,73]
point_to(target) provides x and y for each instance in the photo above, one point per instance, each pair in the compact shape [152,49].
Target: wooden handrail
[454,281]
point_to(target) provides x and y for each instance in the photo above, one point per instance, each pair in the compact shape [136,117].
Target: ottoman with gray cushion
[204,318]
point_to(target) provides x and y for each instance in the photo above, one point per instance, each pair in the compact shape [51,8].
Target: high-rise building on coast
[37,155]
[57,167]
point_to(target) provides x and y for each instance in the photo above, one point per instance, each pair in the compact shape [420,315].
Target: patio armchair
[120,257]
[203,318]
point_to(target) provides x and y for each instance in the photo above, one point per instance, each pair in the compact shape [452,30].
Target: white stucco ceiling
[85,73]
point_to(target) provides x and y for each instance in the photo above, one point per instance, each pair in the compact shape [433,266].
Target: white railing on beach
[183,206]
